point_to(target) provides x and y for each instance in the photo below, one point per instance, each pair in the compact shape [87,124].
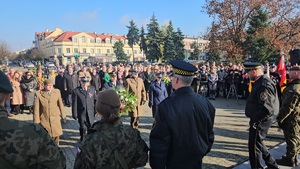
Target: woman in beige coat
[17,95]
[49,109]
[135,85]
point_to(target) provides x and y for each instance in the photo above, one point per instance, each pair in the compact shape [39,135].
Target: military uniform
[25,145]
[83,108]
[289,120]
[96,152]
[183,129]
[261,107]
[157,93]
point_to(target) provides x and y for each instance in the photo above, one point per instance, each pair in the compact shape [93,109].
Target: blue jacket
[157,93]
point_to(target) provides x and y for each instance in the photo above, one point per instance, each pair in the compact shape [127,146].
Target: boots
[17,109]
[82,132]
[286,161]
[30,109]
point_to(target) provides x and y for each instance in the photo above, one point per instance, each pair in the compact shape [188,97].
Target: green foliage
[143,44]
[128,101]
[196,53]
[119,51]
[257,45]
[213,56]
[169,47]
[154,40]
[179,44]
[132,35]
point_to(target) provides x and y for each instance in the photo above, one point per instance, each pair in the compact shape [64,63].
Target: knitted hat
[48,82]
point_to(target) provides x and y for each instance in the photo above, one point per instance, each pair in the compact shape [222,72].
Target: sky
[20,19]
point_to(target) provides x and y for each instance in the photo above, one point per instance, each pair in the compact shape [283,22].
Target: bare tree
[4,51]
[231,18]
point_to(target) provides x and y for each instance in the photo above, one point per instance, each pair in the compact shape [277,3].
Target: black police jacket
[263,102]
[183,131]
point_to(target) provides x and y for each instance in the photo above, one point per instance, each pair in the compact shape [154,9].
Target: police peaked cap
[84,79]
[183,68]
[252,66]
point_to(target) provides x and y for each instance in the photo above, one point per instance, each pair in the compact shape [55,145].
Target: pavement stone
[231,134]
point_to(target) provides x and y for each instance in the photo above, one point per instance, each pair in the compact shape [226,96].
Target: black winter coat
[83,105]
[183,131]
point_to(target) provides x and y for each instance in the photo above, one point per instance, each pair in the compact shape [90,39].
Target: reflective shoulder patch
[263,96]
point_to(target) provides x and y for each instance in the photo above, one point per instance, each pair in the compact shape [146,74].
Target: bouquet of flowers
[128,101]
[166,80]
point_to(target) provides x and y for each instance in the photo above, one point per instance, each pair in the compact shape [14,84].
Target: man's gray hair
[186,80]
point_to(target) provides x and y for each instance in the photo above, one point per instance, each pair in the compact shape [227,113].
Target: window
[108,51]
[126,41]
[92,51]
[83,40]
[98,40]
[76,50]
[113,41]
[59,50]
[84,50]
[68,50]
[92,41]
[135,52]
[107,41]
[98,51]
[75,40]
[127,51]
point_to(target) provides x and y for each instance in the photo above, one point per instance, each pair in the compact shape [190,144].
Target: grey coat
[26,85]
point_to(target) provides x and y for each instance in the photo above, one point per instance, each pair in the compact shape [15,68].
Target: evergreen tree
[119,51]
[154,39]
[179,44]
[196,52]
[257,45]
[132,35]
[143,41]
[169,47]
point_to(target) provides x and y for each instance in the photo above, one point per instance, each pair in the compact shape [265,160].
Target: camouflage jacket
[290,105]
[27,145]
[94,151]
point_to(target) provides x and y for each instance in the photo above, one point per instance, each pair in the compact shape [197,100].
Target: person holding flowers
[109,143]
[135,85]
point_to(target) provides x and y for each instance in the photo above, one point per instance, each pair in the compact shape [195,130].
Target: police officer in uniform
[83,106]
[182,133]
[261,107]
[40,150]
[289,119]
[275,77]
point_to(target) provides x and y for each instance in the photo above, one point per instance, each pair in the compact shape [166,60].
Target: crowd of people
[167,87]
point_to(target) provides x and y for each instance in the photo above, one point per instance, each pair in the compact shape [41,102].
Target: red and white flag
[282,71]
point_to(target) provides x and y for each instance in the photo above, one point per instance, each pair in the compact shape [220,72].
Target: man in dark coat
[157,93]
[114,82]
[182,133]
[96,80]
[59,84]
[83,106]
[262,106]
[70,83]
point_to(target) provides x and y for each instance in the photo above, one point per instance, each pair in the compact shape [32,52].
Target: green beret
[5,86]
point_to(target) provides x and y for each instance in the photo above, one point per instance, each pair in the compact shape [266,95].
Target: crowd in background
[211,80]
